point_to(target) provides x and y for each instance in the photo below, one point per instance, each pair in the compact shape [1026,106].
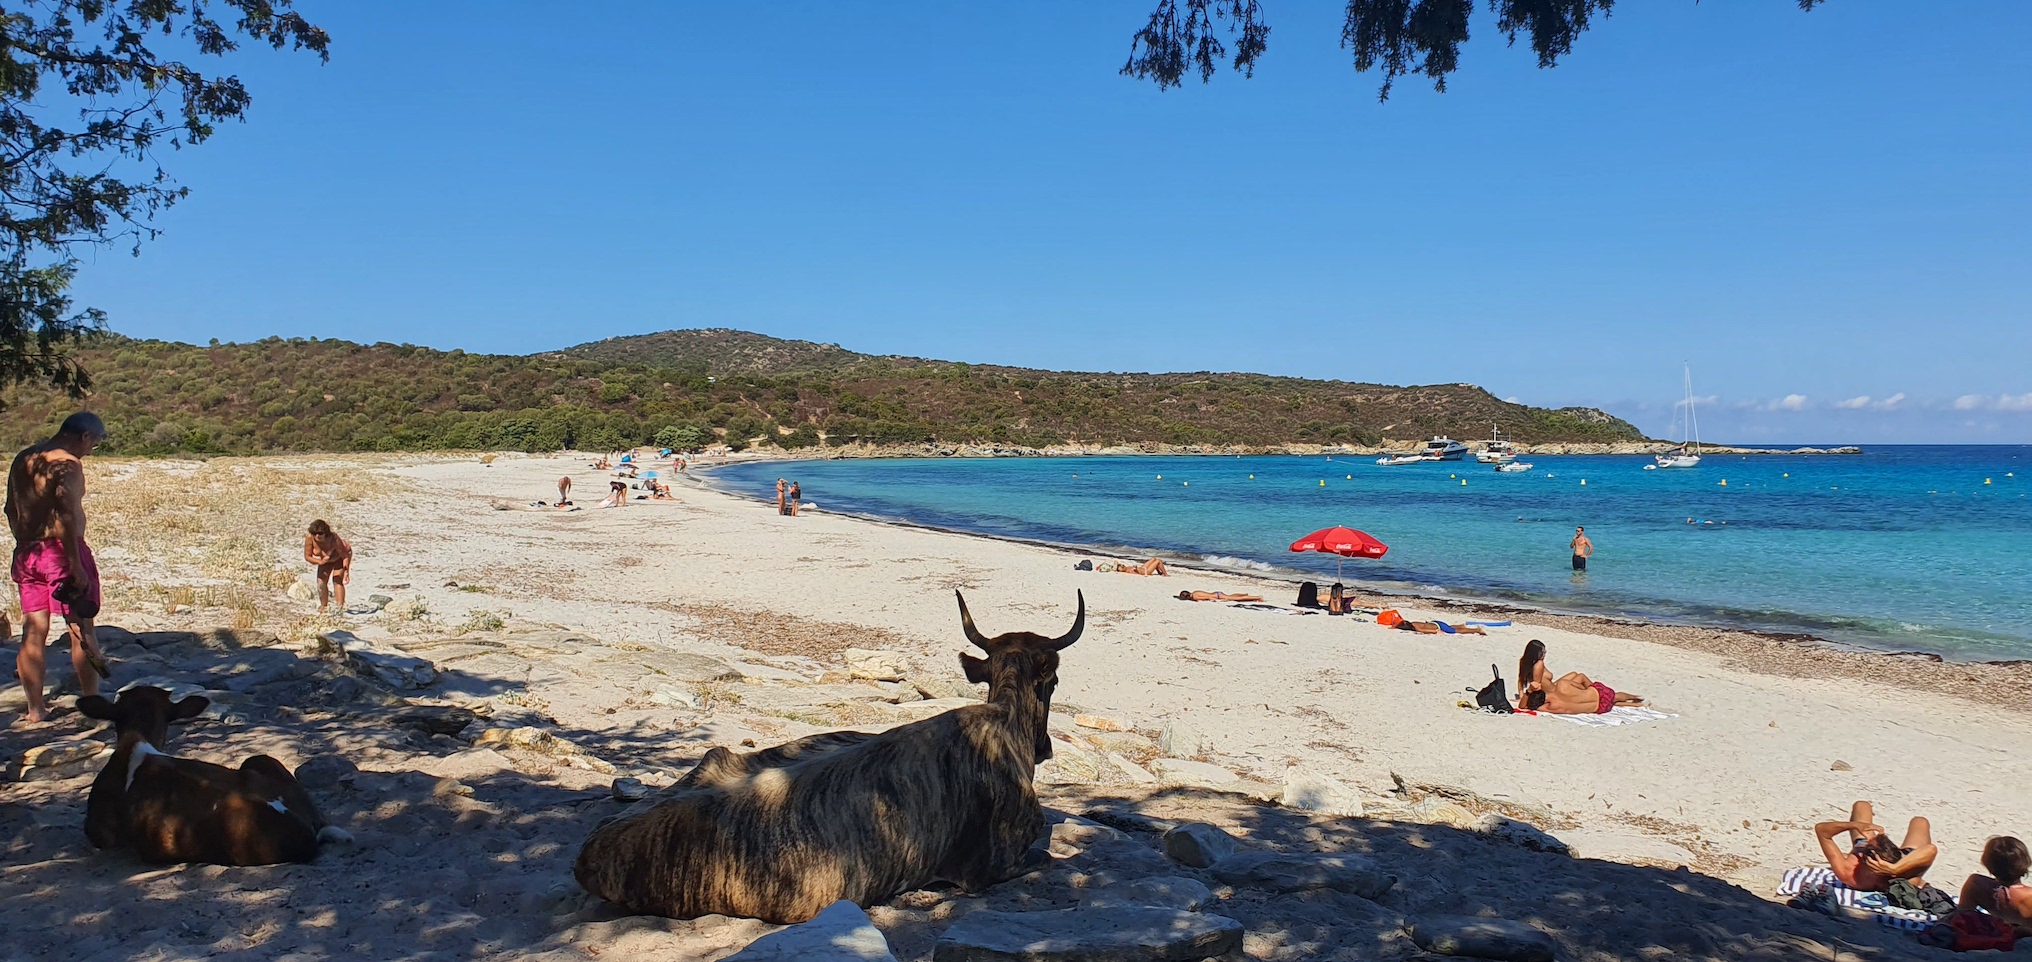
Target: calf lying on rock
[183,810]
[780,834]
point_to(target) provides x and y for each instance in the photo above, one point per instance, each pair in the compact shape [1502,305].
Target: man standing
[52,563]
[1583,549]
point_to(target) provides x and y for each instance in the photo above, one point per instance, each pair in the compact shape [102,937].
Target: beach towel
[1619,715]
[1798,880]
[1491,624]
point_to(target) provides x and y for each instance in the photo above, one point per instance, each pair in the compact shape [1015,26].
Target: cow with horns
[782,833]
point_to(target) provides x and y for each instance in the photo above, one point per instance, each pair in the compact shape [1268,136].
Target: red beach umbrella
[1342,541]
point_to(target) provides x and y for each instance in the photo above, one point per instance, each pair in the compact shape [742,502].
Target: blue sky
[1810,208]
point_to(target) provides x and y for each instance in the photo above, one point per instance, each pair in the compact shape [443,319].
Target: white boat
[1510,467]
[1442,448]
[1496,450]
[1404,459]
[1687,455]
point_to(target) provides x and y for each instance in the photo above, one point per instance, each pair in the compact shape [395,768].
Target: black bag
[1308,595]
[1495,697]
[76,600]
[1083,566]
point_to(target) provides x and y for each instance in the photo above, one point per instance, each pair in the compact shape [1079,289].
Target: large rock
[1100,723]
[1131,934]
[1312,791]
[1482,939]
[1178,738]
[1164,891]
[1134,773]
[62,753]
[1069,764]
[687,666]
[1278,872]
[840,933]
[1198,844]
[1177,772]
[397,669]
[875,665]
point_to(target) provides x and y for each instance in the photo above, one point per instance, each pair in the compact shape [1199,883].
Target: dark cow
[782,833]
[182,810]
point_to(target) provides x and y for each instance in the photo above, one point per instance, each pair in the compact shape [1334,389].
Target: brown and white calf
[172,809]
[780,834]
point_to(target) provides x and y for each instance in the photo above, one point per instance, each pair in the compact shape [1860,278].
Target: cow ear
[96,706]
[190,707]
[976,668]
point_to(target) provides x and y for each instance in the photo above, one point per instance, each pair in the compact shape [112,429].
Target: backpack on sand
[1495,697]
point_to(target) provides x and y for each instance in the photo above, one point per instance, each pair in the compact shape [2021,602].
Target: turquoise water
[1901,548]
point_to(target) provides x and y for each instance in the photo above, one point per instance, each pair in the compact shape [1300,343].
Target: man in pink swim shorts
[52,564]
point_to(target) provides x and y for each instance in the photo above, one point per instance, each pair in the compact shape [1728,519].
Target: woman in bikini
[1216,596]
[1872,860]
[2003,893]
[1570,694]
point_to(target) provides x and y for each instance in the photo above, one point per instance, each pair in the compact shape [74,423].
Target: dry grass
[771,633]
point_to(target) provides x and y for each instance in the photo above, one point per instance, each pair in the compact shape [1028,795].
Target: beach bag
[1083,566]
[76,600]
[1308,595]
[1901,893]
[1389,618]
[1495,696]
[1970,931]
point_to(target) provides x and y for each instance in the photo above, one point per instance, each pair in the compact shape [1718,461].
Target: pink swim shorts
[39,569]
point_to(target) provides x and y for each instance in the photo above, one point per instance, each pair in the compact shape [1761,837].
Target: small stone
[1312,791]
[1482,939]
[325,771]
[1135,773]
[630,789]
[61,753]
[1164,891]
[447,787]
[1198,844]
[1179,739]
[380,601]
[677,699]
[1176,772]
[298,591]
[1841,766]
[1132,934]
[1100,723]
[841,932]
[875,665]
[1079,831]
[1278,872]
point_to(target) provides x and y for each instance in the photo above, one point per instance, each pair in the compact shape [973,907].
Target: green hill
[279,395]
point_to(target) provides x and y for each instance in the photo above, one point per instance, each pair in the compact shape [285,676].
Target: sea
[1903,548]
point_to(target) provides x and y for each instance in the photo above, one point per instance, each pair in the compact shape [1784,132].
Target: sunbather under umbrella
[1343,543]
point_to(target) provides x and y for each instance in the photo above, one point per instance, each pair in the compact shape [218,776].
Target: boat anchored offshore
[1687,455]
[1496,450]
[1442,448]
[1512,467]
[1404,459]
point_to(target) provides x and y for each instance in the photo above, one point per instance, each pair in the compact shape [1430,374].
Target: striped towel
[1619,715]
[1797,880]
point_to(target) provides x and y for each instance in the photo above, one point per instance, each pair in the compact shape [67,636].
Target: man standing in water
[52,563]
[1583,549]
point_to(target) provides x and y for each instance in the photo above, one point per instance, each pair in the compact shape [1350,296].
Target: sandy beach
[581,623]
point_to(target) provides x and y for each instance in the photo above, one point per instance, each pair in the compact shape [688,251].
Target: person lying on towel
[1871,860]
[1216,596]
[1570,694]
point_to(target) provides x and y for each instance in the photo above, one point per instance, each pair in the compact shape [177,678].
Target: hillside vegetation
[685,387]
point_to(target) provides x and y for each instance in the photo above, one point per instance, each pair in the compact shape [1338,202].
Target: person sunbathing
[1215,596]
[2003,893]
[1570,694]
[1151,567]
[1872,860]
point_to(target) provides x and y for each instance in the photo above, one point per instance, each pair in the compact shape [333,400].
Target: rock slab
[1132,934]
[1312,791]
[839,933]
[1198,844]
[1180,739]
[1279,872]
[1165,892]
[1482,939]
[393,668]
[1174,772]
[875,665]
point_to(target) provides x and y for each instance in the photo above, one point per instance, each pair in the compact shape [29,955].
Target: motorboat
[1404,459]
[1496,450]
[1513,467]
[1442,448]
[1687,455]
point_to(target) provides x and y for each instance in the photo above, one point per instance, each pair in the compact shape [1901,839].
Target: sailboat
[1687,455]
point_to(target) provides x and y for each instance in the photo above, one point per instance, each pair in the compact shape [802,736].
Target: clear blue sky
[1821,207]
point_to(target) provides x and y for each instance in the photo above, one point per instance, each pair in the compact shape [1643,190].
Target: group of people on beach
[1872,862]
[789,497]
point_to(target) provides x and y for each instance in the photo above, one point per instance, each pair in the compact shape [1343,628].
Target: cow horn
[967,623]
[1079,624]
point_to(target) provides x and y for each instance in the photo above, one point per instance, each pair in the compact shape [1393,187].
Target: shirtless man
[46,510]
[564,491]
[334,560]
[1872,860]
[1583,549]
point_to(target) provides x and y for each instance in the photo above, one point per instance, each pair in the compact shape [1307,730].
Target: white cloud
[1968,402]
[1861,401]
[1512,400]
[1891,402]
[2020,402]
[1790,402]
[1698,401]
